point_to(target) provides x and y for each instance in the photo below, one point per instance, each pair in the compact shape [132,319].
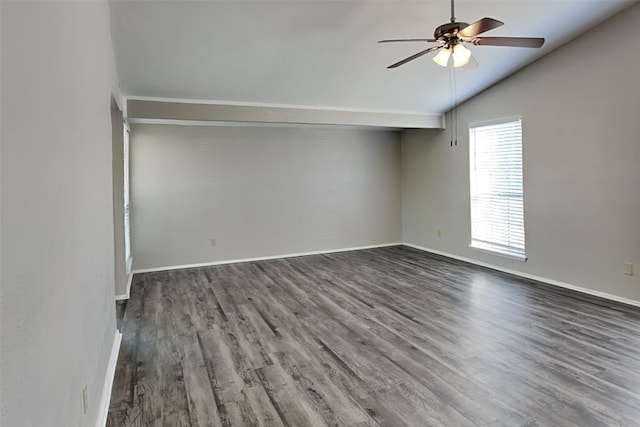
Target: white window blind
[497,205]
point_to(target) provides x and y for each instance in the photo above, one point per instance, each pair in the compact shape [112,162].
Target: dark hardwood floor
[390,337]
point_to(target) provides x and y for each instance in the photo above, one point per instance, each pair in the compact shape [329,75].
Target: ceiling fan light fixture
[452,35]
[461,56]
[442,58]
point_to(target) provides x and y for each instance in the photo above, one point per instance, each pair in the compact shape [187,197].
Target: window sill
[497,252]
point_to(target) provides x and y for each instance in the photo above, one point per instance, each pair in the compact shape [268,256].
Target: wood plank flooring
[381,337]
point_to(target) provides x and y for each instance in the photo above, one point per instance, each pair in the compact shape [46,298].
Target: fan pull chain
[455,106]
[452,105]
[453,113]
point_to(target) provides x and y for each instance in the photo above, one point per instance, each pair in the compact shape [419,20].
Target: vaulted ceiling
[325,53]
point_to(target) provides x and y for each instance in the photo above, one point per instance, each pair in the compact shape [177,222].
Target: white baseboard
[552,282]
[265,258]
[129,264]
[105,400]
[128,291]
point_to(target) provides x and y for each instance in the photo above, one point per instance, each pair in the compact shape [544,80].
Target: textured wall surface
[260,191]
[57,293]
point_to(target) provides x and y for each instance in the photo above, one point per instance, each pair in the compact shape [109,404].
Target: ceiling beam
[173,111]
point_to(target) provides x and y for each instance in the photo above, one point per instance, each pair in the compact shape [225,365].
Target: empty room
[320,213]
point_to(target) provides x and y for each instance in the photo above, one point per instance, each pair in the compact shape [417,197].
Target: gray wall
[56,295]
[260,191]
[580,107]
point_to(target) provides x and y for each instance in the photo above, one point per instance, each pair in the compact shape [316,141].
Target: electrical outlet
[212,242]
[439,233]
[85,398]
[628,268]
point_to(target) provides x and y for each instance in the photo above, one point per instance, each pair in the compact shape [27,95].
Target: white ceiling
[324,53]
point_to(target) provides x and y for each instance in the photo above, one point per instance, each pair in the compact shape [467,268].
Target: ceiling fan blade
[480,26]
[509,41]
[408,40]
[412,57]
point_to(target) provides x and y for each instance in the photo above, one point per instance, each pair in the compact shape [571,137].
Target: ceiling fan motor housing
[447,32]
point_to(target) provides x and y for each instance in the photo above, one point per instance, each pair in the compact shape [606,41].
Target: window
[127,218]
[497,203]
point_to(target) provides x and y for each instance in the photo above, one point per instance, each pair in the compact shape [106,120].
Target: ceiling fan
[453,35]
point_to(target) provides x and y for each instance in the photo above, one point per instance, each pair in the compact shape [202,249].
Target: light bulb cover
[461,55]
[442,58]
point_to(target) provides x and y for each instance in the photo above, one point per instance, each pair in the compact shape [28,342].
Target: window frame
[126,196]
[493,247]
